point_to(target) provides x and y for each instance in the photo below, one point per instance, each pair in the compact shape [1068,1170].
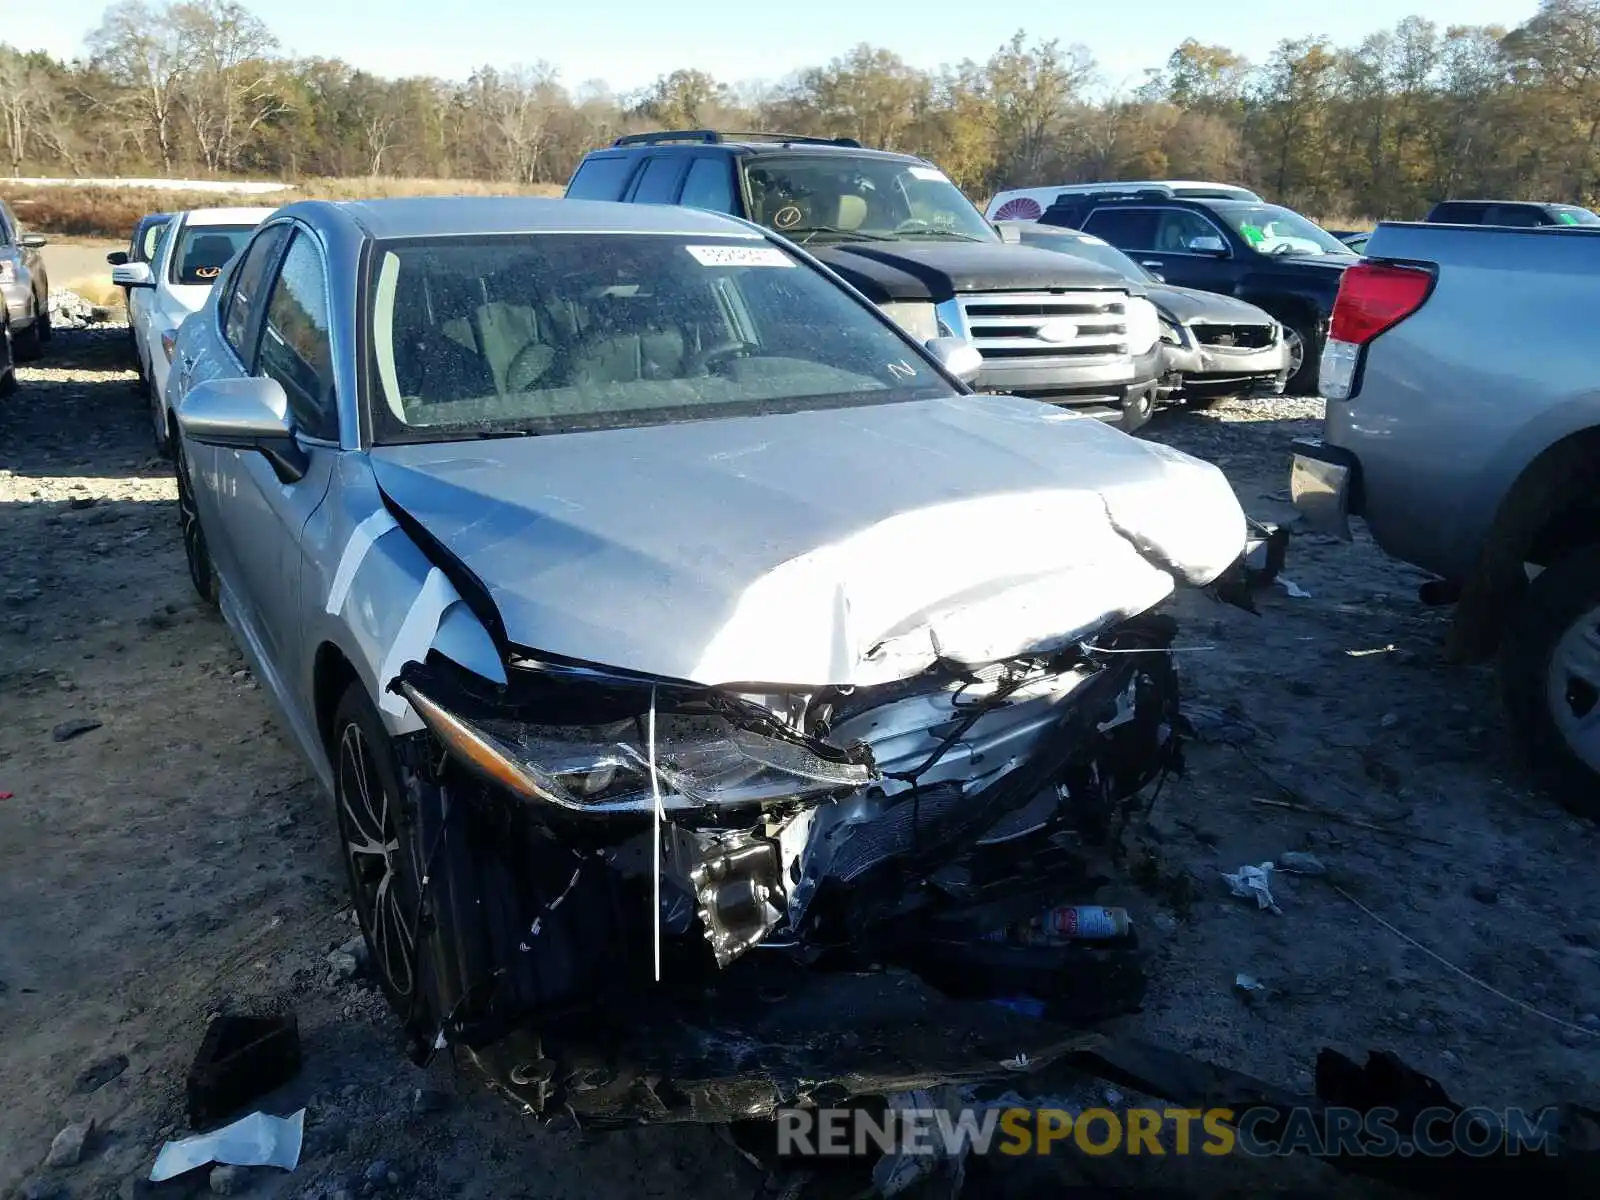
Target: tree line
[1409,115]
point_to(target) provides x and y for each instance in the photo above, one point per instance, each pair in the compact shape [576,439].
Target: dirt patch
[175,859]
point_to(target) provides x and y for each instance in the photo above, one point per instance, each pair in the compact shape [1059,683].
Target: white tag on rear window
[928,173]
[740,256]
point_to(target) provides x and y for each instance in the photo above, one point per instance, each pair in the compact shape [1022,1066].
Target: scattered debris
[68,730]
[344,964]
[1248,983]
[1389,720]
[1254,883]
[226,1179]
[1294,589]
[258,1140]
[95,1076]
[241,1059]
[66,1148]
[1298,862]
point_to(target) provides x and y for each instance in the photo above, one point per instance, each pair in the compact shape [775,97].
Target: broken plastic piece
[1248,983]
[240,1060]
[259,1140]
[1301,863]
[1253,883]
[1293,588]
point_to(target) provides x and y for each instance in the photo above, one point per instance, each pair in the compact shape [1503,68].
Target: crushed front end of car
[690,872]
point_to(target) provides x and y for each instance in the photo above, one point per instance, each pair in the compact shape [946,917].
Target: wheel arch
[1551,509]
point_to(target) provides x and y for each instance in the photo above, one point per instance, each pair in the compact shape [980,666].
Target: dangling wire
[655,831]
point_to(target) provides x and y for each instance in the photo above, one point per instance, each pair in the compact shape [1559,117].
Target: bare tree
[229,89]
[142,49]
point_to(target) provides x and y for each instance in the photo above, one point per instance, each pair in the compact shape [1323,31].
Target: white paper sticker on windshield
[931,174]
[740,256]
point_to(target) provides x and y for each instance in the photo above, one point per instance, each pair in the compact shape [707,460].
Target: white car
[191,254]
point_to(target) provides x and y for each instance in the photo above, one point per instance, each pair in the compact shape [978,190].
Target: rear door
[264,515]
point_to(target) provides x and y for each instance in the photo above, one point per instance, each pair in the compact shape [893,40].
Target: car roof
[457,216]
[759,148]
[227,216]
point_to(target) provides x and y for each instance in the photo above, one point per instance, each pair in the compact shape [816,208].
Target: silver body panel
[784,549]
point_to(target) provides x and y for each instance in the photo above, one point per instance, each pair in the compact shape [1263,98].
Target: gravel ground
[164,855]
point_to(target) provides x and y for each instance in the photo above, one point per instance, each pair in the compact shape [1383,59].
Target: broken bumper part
[1323,482]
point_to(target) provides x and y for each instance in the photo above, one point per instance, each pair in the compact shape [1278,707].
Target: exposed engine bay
[597,843]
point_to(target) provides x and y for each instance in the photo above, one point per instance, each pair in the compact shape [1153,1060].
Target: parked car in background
[141,249]
[1356,239]
[895,228]
[1463,427]
[1028,204]
[1517,213]
[595,555]
[24,287]
[1260,253]
[190,253]
[1212,346]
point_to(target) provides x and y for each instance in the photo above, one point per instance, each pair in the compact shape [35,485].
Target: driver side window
[295,346]
[1179,228]
[241,321]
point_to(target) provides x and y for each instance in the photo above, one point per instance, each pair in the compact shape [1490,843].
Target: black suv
[895,228]
[1267,255]
[1518,213]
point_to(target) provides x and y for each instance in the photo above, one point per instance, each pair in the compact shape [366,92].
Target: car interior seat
[205,259]
[630,338]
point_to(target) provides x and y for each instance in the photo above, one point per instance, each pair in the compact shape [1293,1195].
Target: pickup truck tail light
[1373,297]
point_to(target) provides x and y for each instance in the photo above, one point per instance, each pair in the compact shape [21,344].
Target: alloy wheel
[1573,687]
[371,835]
[1297,350]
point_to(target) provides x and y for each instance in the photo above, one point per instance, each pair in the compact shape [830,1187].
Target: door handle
[1152,263]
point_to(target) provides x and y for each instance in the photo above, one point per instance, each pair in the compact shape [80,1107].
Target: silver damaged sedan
[682,644]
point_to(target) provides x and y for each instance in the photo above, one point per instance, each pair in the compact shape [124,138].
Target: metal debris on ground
[1253,883]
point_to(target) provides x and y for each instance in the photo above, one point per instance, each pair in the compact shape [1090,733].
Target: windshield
[840,195]
[203,250]
[1571,214]
[548,333]
[1273,230]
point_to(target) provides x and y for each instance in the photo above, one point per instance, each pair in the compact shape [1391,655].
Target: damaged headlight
[1170,333]
[701,762]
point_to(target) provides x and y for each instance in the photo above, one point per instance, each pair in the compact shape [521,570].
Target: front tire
[8,361]
[1550,679]
[1304,355]
[25,343]
[201,571]
[378,848]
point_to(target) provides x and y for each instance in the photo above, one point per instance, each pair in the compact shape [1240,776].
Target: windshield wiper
[811,231]
[946,233]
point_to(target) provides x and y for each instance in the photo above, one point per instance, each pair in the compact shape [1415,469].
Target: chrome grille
[1007,325]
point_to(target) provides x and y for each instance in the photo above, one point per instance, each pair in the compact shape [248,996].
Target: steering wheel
[911,223]
[525,369]
[703,360]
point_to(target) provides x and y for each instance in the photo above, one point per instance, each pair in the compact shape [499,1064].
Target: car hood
[938,270]
[845,546]
[1185,305]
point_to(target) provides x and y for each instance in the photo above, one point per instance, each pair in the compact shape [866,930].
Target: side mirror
[32,241]
[132,275]
[117,257]
[957,357]
[244,414]
[1209,244]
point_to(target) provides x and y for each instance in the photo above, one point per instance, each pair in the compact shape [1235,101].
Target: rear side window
[1457,214]
[1124,228]
[709,185]
[295,349]
[244,297]
[1524,216]
[658,184]
[600,178]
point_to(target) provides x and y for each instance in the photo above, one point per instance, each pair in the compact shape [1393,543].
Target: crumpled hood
[1185,305]
[937,270]
[842,546]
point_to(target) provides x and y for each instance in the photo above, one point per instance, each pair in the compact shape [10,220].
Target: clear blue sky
[628,43]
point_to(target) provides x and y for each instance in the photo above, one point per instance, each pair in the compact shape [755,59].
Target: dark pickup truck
[897,230]
[1261,253]
[1518,214]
